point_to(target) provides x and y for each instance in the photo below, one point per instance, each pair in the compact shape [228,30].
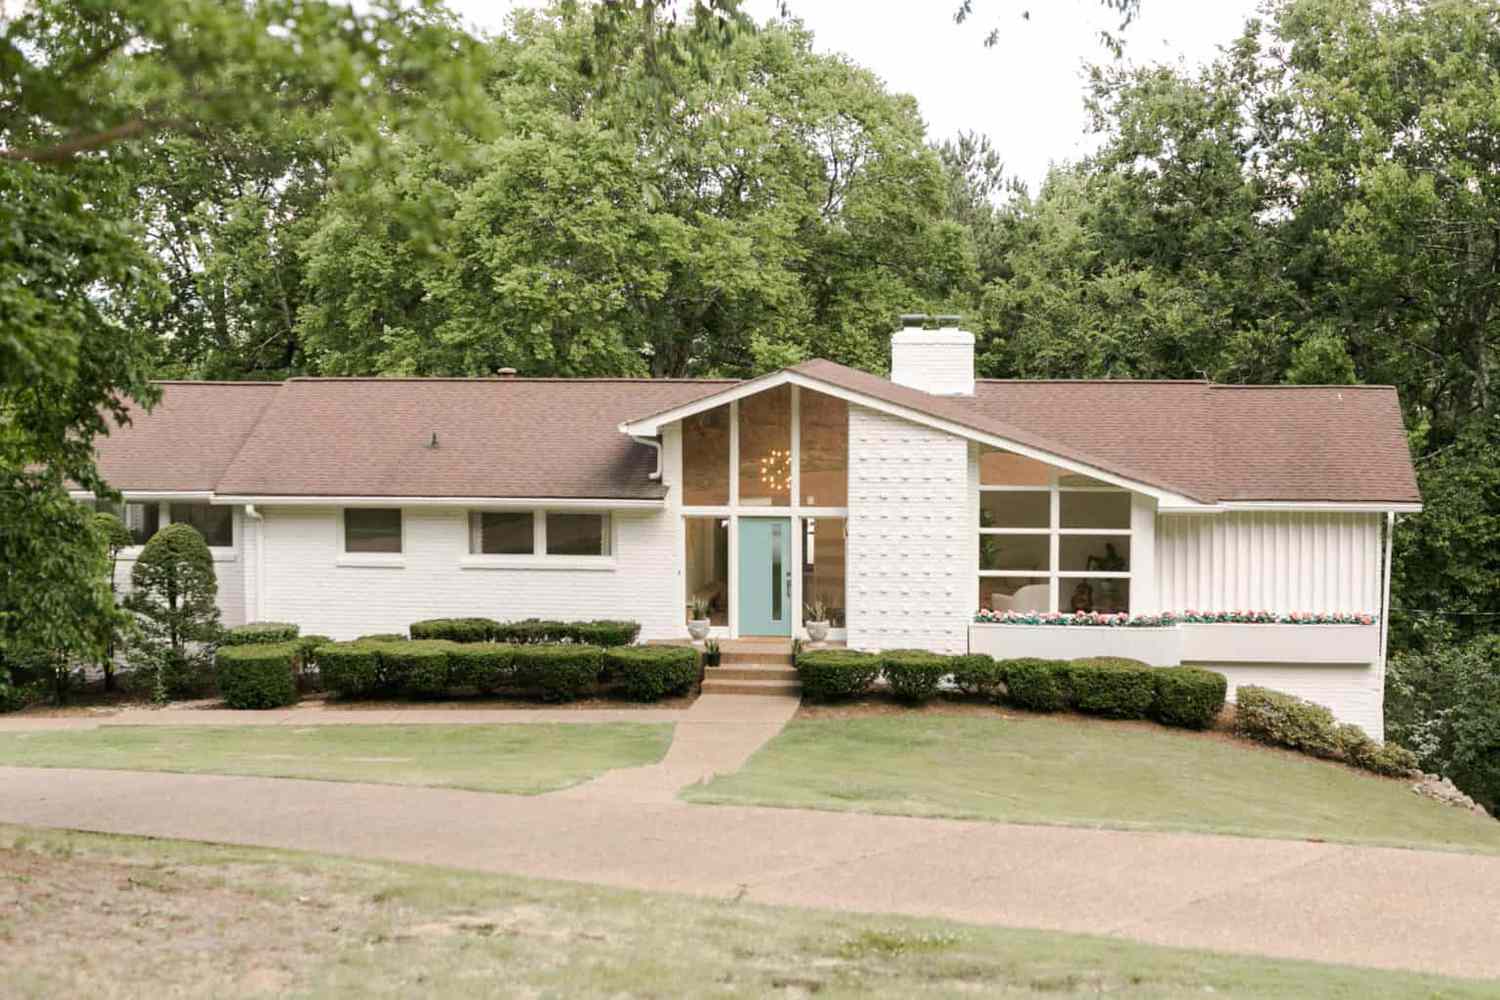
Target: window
[823,563]
[1051,540]
[502,533]
[705,458]
[215,524]
[577,534]
[707,565]
[823,447]
[766,448]
[372,529]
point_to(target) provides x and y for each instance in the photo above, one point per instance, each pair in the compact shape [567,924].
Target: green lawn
[524,759]
[1065,770]
[93,915]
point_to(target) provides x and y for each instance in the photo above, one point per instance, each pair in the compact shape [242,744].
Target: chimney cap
[951,319]
[506,372]
[909,320]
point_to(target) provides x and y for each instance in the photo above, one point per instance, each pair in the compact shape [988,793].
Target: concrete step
[768,657]
[748,672]
[751,687]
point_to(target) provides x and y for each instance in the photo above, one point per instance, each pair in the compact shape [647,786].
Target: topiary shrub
[832,674]
[1286,720]
[257,675]
[455,629]
[976,674]
[1037,685]
[650,673]
[1112,686]
[260,632]
[1190,697]
[173,594]
[558,672]
[351,669]
[913,674]
[483,666]
[416,667]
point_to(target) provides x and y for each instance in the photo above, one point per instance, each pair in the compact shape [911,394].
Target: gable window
[502,533]
[215,524]
[372,529]
[1051,540]
[577,534]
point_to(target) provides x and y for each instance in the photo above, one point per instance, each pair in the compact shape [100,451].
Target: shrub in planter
[257,675]
[913,674]
[831,674]
[650,673]
[976,673]
[259,632]
[1112,686]
[483,666]
[455,629]
[558,672]
[351,669]
[1190,697]
[416,667]
[1286,720]
[1037,685]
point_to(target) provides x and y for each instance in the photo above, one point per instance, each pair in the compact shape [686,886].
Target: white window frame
[1055,533]
[163,504]
[370,560]
[540,558]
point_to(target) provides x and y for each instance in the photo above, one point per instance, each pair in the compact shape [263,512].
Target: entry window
[823,567]
[578,534]
[502,533]
[215,524]
[707,566]
[372,529]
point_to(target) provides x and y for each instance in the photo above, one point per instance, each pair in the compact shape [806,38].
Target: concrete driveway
[1378,907]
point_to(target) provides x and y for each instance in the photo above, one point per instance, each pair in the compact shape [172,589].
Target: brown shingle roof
[495,438]
[187,441]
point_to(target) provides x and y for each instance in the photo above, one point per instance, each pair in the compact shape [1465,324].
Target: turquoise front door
[765,582]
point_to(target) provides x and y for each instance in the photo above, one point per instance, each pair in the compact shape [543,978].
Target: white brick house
[903,506]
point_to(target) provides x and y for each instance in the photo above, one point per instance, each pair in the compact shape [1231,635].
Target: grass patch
[1086,773]
[87,907]
[522,759]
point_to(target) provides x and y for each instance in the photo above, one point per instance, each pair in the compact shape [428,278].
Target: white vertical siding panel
[1272,561]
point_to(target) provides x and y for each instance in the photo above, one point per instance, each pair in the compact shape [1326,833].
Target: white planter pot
[816,631]
[698,628]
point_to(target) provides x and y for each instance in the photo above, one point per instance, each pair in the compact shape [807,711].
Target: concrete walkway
[1364,906]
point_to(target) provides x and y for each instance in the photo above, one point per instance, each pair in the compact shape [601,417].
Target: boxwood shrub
[307,647]
[604,632]
[455,629]
[976,673]
[831,674]
[1112,686]
[382,637]
[650,673]
[351,669]
[258,675]
[591,633]
[483,666]
[558,672]
[259,632]
[1286,720]
[1037,685]
[1190,697]
[913,674]
[417,667]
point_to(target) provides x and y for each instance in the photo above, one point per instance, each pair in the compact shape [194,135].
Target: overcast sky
[1026,93]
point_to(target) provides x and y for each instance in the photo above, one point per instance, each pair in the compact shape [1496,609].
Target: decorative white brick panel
[911,548]
[305,583]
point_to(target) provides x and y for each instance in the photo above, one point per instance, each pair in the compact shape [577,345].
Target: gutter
[654,443]
[260,559]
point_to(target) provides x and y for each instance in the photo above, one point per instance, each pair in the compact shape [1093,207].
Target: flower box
[1280,643]
[1159,647]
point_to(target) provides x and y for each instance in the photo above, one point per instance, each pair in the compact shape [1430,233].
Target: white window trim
[369,560]
[163,503]
[539,558]
[1055,533]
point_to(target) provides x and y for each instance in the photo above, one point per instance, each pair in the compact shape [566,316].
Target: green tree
[115,538]
[173,594]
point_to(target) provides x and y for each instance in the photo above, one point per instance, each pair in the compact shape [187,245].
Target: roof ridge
[212,381]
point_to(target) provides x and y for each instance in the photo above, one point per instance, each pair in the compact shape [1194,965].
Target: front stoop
[746,678]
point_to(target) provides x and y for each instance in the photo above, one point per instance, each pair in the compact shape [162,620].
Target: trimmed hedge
[592,633]
[383,637]
[259,632]
[977,674]
[257,675]
[1189,697]
[351,669]
[307,647]
[1286,720]
[558,672]
[483,666]
[418,667]
[650,673]
[1112,686]
[831,674]
[1038,685]
[914,674]
[455,629]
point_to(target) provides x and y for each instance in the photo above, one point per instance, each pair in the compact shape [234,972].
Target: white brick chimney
[938,361]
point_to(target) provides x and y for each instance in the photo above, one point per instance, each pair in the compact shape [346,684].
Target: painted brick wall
[306,585]
[229,569]
[1353,693]
[911,549]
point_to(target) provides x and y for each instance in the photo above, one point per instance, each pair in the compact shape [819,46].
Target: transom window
[538,533]
[1050,540]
